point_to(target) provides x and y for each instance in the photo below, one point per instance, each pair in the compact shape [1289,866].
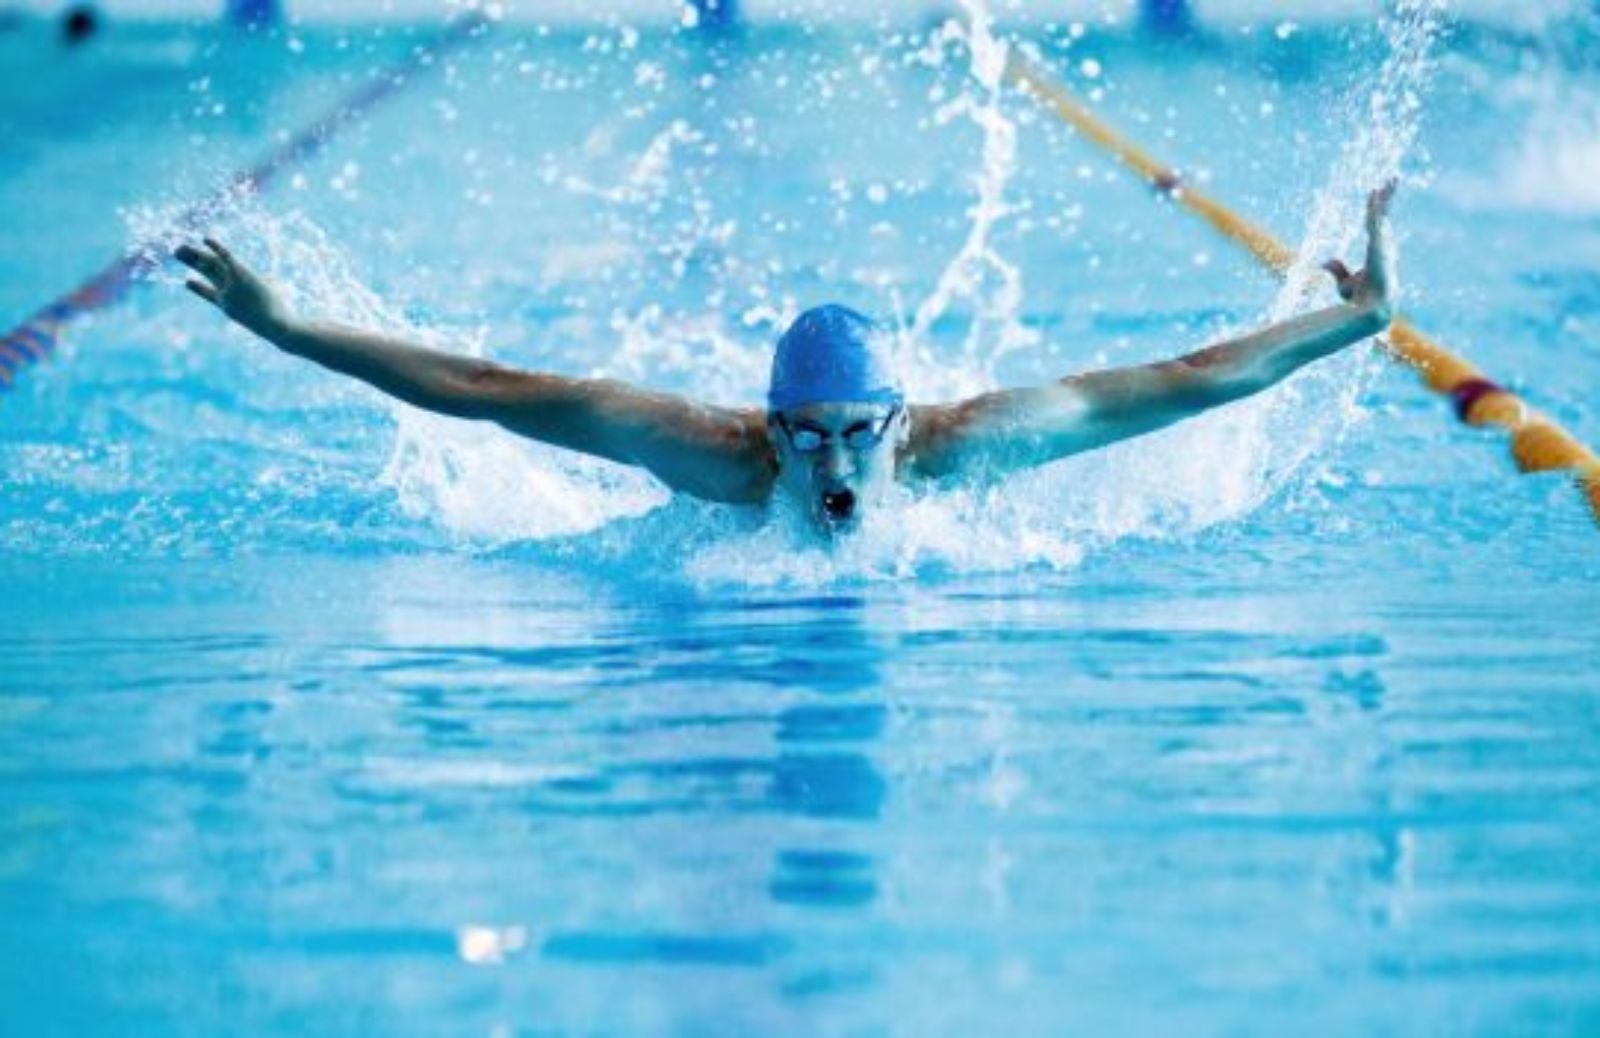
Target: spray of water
[491,489]
[1324,404]
[979,277]
[1225,465]
[472,479]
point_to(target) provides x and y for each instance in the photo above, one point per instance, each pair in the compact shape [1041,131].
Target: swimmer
[836,431]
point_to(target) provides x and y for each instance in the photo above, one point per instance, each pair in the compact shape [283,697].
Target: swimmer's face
[838,459]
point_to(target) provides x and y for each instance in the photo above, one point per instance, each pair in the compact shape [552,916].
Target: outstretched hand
[1373,286]
[231,286]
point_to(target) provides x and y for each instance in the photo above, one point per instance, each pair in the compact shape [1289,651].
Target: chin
[831,527]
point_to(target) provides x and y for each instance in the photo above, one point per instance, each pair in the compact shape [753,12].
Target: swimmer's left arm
[1015,429]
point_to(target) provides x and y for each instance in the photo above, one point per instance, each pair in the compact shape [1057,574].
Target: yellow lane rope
[1538,444]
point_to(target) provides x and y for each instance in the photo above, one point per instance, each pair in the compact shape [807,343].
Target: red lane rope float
[37,337]
[1537,444]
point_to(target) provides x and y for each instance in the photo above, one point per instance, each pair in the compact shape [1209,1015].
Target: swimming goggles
[861,436]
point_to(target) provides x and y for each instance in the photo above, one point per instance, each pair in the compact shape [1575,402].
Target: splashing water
[490,489]
[1384,128]
[474,480]
[1324,403]
[978,275]
[494,489]
[1225,465]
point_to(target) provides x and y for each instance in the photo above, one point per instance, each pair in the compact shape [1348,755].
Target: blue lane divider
[38,336]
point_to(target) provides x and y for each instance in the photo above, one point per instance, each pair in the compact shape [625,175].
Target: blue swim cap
[832,355]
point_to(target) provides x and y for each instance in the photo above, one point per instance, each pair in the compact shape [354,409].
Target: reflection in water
[824,770]
[821,788]
[714,950]
[826,785]
[474,805]
[828,879]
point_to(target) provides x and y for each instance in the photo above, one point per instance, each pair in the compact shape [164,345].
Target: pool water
[318,715]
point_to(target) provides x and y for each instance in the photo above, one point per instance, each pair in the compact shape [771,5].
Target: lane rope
[38,337]
[1537,442]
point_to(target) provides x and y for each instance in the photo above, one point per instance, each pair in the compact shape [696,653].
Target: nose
[837,463]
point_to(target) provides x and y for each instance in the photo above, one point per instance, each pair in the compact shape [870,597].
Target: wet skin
[836,483]
[744,455]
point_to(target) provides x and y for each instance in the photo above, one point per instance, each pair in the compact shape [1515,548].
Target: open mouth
[839,506]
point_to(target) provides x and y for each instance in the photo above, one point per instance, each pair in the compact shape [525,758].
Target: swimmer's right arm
[715,453]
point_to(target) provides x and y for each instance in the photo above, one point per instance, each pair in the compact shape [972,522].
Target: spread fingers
[203,262]
[201,289]
[1378,201]
[221,250]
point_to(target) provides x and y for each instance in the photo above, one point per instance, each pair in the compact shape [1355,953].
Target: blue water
[321,716]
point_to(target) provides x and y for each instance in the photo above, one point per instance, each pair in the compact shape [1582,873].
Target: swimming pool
[318,715]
